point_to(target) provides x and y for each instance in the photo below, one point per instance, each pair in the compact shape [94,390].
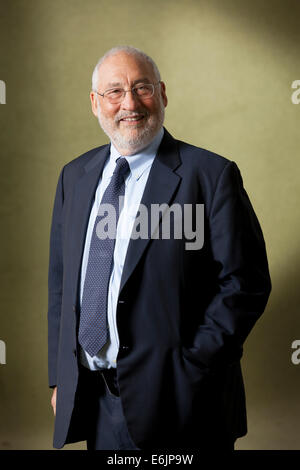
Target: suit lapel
[82,204]
[160,188]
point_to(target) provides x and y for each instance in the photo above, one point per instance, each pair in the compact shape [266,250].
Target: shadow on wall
[277,21]
[270,342]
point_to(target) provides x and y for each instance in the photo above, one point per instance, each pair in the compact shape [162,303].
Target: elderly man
[146,333]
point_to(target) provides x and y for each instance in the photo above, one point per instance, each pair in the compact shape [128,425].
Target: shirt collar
[138,162]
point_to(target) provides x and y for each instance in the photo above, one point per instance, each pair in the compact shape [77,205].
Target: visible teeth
[132,119]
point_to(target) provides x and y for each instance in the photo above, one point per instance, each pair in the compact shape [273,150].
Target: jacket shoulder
[201,158]
[84,158]
[73,170]
[207,171]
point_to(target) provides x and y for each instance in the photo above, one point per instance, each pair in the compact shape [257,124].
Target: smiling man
[145,335]
[130,119]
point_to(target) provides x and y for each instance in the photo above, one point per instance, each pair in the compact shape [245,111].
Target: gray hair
[128,50]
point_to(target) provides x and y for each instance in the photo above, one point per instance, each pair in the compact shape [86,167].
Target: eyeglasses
[116,95]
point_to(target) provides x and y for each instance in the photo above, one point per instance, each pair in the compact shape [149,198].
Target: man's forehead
[119,66]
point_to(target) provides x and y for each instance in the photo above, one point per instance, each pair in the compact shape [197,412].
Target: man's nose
[130,101]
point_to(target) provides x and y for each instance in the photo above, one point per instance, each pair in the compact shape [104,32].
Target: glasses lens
[114,95]
[144,90]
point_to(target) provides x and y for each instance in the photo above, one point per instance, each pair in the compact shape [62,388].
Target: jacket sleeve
[244,284]
[55,280]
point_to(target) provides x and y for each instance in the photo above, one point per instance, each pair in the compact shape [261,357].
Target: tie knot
[122,167]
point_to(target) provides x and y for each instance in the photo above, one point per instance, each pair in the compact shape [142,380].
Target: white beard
[142,140]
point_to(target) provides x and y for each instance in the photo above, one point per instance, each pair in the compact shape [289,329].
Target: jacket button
[124,348]
[120,302]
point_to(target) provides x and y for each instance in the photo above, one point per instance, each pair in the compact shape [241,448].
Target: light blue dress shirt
[140,165]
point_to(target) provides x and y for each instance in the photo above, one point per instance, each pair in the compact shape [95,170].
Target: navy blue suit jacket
[182,316]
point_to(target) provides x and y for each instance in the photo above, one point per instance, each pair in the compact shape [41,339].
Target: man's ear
[94,102]
[163,93]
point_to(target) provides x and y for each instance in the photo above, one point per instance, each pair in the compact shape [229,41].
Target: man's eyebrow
[141,80]
[118,84]
[113,84]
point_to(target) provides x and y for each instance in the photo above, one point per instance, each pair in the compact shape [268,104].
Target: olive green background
[228,68]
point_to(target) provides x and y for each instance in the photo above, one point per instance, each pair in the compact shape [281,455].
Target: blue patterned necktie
[93,328]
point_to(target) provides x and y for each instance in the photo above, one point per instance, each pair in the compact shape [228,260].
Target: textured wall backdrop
[228,67]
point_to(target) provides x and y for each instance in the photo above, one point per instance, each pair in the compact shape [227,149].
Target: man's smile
[132,119]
